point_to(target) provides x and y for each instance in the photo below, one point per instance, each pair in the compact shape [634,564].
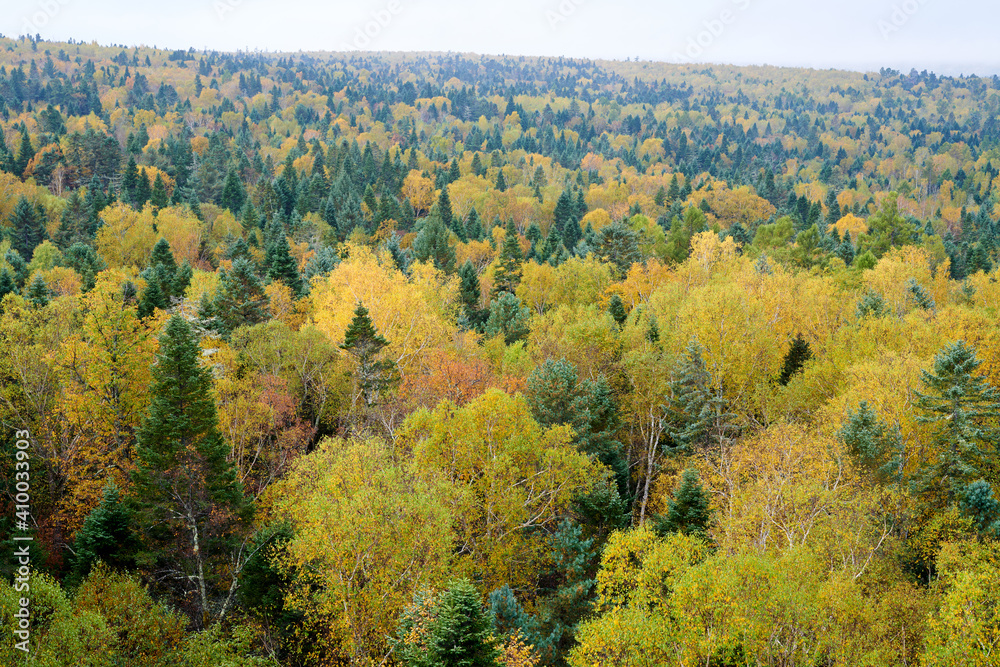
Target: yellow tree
[370,530]
[106,377]
[517,480]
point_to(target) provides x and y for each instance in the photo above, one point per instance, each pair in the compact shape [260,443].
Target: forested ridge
[444,359]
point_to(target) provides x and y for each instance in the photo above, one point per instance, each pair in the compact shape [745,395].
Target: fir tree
[617,310]
[444,208]
[159,198]
[469,291]
[688,511]
[508,318]
[507,276]
[239,299]
[798,354]
[431,244]
[921,299]
[187,493]
[28,228]
[362,341]
[961,407]
[182,279]
[130,181]
[106,535]
[282,266]
[18,267]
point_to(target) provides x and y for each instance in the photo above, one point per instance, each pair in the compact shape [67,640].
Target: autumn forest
[428,359]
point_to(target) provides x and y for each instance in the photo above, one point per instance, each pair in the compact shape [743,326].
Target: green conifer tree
[187,495]
[373,376]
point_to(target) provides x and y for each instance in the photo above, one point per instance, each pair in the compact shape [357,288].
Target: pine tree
[162,255]
[961,406]
[462,636]
[239,299]
[38,292]
[688,511]
[19,268]
[432,243]
[187,494]
[508,318]
[106,535]
[501,183]
[153,298]
[282,266]
[798,354]
[617,310]
[919,295]
[159,197]
[618,244]
[872,444]
[362,341]
[28,228]
[507,275]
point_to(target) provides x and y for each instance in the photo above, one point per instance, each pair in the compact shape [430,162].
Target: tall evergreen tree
[25,153]
[432,244]
[239,300]
[28,228]
[961,407]
[508,318]
[462,636]
[282,266]
[798,354]
[159,197]
[107,535]
[507,276]
[688,511]
[374,376]
[187,494]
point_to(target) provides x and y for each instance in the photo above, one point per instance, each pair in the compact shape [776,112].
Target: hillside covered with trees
[443,359]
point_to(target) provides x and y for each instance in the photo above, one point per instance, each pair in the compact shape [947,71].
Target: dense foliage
[437,359]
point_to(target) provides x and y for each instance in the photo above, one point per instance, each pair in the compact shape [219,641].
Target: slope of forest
[438,359]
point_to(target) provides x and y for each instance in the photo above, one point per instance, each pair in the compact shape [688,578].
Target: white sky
[953,37]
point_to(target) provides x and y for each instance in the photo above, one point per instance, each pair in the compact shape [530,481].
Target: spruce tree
[462,635]
[19,268]
[239,299]
[872,444]
[431,244]
[38,292]
[507,275]
[282,266]
[695,411]
[469,292]
[501,183]
[28,225]
[362,341]
[159,197]
[798,354]
[182,279]
[153,298]
[7,284]
[233,195]
[617,310]
[107,535]
[508,318]
[130,181]
[688,511]
[961,407]
[444,208]
[187,494]
[24,154]
[143,189]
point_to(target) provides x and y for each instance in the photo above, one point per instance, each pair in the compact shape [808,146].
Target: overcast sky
[947,37]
